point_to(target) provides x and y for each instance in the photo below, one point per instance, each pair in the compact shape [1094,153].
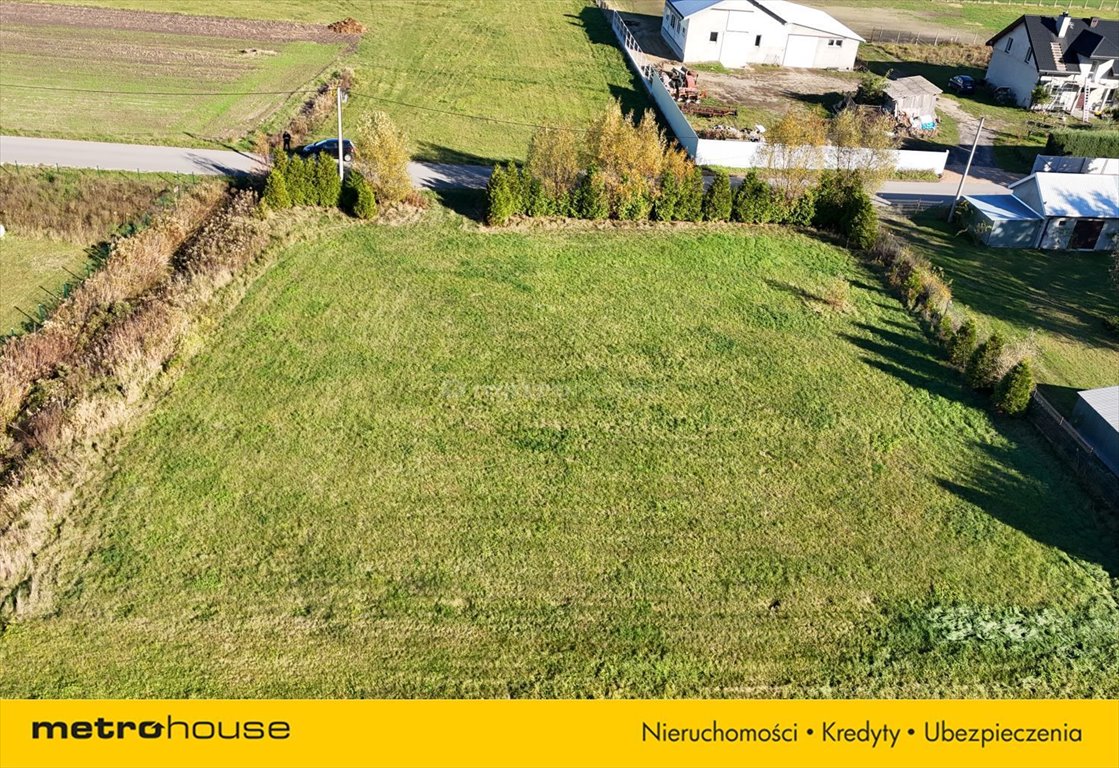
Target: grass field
[27,267]
[430,460]
[1059,298]
[465,80]
[112,80]
[468,80]
[56,218]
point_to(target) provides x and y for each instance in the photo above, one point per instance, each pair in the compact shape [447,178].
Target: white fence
[1057,164]
[752,154]
[729,153]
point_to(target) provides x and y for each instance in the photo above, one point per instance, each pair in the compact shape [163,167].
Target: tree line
[624,168]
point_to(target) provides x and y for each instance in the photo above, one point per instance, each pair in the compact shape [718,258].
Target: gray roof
[1002,207]
[1086,39]
[1104,401]
[1075,195]
[911,86]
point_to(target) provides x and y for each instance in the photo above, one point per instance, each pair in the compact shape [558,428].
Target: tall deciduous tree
[554,159]
[795,151]
[383,156]
[864,144]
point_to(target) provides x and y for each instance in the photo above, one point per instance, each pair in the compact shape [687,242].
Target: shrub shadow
[598,31]
[1021,482]
[1017,487]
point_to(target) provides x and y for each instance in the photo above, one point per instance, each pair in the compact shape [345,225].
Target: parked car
[962,84]
[1004,95]
[329,147]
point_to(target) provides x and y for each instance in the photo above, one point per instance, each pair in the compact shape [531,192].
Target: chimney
[1063,22]
[1094,22]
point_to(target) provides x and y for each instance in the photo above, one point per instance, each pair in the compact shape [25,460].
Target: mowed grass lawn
[432,460]
[466,80]
[1057,299]
[111,84]
[27,266]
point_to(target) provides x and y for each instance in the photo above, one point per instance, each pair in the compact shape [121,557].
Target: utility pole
[967,169]
[341,144]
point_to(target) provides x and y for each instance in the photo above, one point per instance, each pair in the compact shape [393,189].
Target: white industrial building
[740,32]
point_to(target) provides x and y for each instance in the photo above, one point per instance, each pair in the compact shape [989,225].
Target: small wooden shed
[912,98]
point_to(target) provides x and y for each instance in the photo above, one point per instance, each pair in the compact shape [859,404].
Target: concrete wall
[672,30]
[1010,68]
[700,27]
[745,35]
[685,134]
[1057,164]
[753,154]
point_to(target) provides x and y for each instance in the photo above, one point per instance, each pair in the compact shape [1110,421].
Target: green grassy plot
[433,460]
[32,273]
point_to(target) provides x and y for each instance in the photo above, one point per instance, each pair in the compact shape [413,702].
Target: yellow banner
[1016,734]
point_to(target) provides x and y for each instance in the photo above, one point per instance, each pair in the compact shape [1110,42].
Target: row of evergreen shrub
[1083,143]
[838,203]
[990,366]
[296,181]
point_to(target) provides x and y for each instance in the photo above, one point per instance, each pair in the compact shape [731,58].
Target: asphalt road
[124,157]
[137,157]
[152,159]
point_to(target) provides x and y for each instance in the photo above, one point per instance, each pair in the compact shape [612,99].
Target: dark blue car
[962,84]
[329,147]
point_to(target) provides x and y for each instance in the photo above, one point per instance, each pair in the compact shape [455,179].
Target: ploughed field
[433,460]
[91,73]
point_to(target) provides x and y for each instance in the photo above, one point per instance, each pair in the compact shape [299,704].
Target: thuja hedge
[1083,143]
[837,203]
[989,366]
[295,181]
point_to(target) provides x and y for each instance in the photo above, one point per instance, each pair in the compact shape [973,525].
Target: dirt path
[984,167]
[37,14]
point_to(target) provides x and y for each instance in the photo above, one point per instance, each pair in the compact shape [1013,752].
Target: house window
[714,37]
[758,41]
[1009,44]
[1029,55]
[835,43]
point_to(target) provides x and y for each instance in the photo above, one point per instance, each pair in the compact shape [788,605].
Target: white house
[1074,59]
[740,32]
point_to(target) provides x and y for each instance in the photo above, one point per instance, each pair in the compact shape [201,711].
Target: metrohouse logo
[104,729]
